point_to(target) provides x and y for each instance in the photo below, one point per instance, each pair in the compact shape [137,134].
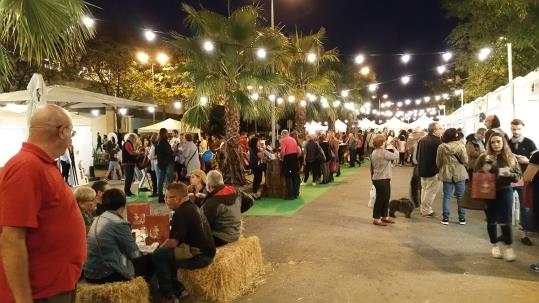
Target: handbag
[471,203]
[484,186]
[372,197]
[334,166]
[107,269]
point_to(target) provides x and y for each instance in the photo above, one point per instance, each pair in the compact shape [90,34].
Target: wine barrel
[275,185]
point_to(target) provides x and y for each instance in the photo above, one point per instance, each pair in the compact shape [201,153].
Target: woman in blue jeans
[499,160]
[450,159]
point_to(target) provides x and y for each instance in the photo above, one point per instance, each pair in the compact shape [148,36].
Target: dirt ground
[330,252]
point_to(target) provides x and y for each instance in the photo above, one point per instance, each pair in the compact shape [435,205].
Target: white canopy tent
[366,123]
[13,128]
[313,127]
[73,98]
[169,124]
[340,126]
[422,122]
[525,93]
[396,124]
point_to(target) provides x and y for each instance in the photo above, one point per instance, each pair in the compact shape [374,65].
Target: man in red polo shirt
[42,240]
[289,155]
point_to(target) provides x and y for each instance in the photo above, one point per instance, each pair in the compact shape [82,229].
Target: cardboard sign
[158,228]
[137,213]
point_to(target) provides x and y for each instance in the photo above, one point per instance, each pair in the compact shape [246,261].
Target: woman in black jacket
[165,162]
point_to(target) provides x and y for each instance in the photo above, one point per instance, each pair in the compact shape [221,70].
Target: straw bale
[134,291]
[234,271]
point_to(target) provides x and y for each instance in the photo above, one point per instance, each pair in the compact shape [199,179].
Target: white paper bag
[372,197]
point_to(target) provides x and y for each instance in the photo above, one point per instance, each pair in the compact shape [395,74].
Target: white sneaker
[509,254]
[496,253]
[303,183]
[313,184]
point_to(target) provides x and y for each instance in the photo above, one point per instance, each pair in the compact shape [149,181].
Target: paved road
[330,252]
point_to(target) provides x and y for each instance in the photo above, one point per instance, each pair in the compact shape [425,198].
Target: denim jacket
[116,247]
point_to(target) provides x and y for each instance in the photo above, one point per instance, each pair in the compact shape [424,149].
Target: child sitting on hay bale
[190,244]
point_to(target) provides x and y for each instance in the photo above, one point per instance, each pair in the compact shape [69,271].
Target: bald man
[42,240]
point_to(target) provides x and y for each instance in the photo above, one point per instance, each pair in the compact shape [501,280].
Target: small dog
[403,205]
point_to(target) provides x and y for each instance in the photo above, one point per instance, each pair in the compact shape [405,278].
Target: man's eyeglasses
[73,132]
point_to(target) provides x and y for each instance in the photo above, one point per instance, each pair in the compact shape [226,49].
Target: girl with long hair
[498,160]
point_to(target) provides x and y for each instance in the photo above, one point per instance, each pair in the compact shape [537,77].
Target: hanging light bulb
[484,53]
[261,53]
[302,103]
[406,58]
[345,93]
[149,35]
[254,96]
[203,100]
[271,97]
[447,56]
[95,112]
[441,69]
[373,87]
[359,59]
[208,46]
[405,80]
[365,70]
[311,57]
[280,100]
[336,103]
[291,99]
[407,101]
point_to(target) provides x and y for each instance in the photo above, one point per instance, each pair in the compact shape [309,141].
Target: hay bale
[234,271]
[134,291]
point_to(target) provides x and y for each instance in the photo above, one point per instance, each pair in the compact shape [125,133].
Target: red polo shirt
[34,195]
[288,146]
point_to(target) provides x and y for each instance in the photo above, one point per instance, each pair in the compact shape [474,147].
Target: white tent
[169,124]
[366,123]
[73,97]
[422,122]
[340,126]
[313,127]
[14,130]
[396,124]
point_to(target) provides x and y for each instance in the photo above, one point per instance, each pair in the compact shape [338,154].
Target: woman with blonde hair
[197,189]
[498,160]
[381,173]
[85,197]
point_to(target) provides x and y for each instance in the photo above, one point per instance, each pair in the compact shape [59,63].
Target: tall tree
[38,30]
[304,75]
[493,23]
[222,62]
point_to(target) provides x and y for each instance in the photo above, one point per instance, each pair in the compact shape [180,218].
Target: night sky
[385,27]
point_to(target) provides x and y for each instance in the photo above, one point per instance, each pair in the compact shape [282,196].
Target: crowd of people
[59,237]
[448,160]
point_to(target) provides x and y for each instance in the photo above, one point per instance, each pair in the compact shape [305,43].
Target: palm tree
[222,62]
[39,30]
[302,77]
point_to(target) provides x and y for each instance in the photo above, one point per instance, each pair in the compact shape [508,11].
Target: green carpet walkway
[280,207]
[272,206]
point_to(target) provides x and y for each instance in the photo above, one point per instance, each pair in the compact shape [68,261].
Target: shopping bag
[158,227]
[484,186]
[470,203]
[372,197]
[334,166]
[137,213]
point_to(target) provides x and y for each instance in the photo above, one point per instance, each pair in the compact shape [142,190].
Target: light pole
[273,137]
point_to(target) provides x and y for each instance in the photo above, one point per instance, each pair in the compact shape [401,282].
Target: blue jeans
[164,175]
[166,269]
[499,212]
[446,200]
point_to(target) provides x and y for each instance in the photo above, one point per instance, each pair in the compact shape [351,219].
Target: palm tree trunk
[331,125]
[300,120]
[232,164]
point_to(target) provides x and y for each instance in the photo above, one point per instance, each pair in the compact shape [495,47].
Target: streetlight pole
[273,137]
[510,74]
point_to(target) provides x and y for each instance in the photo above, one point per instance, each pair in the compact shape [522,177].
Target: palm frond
[197,116]
[41,30]
[6,65]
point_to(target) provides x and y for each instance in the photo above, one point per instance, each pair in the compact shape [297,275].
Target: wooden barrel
[275,185]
